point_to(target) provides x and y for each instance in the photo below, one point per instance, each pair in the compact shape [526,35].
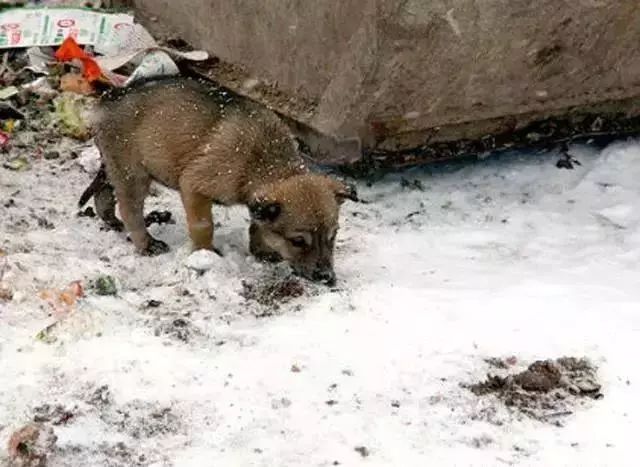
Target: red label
[15,37]
[66,23]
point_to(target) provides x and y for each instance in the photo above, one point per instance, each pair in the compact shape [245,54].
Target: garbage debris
[74,82]
[69,109]
[4,139]
[42,88]
[135,47]
[61,58]
[116,41]
[7,111]
[63,302]
[156,63]
[9,125]
[39,59]
[131,43]
[8,92]
[18,164]
[70,51]
[104,285]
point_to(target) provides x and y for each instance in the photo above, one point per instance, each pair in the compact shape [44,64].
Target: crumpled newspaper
[135,45]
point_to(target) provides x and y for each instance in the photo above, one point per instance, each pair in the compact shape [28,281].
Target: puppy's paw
[155,248]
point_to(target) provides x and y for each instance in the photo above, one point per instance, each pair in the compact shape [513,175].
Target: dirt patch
[55,414]
[141,420]
[159,217]
[118,454]
[178,328]
[272,292]
[547,390]
[31,445]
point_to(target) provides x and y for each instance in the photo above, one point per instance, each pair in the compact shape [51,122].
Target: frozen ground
[505,257]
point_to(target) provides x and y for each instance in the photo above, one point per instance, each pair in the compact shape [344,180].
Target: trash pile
[55,61]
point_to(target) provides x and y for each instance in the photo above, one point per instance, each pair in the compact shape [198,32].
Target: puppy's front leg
[199,219]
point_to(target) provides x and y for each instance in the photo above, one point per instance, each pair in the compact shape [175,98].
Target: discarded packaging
[67,314]
[70,50]
[8,92]
[42,88]
[154,64]
[114,37]
[39,58]
[29,27]
[4,139]
[135,46]
[63,303]
[131,43]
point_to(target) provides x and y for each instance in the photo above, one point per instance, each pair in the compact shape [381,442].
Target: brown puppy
[214,148]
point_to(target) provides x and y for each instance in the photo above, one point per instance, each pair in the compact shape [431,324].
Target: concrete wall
[401,73]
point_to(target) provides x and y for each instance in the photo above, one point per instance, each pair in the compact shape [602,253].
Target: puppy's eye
[298,242]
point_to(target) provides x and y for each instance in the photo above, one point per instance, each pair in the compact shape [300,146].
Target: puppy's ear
[262,210]
[345,191]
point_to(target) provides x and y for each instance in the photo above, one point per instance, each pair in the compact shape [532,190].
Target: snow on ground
[505,256]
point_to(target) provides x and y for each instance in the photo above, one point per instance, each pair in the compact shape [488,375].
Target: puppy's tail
[96,185]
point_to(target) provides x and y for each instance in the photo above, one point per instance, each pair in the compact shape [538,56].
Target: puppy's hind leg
[131,193]
[105,203]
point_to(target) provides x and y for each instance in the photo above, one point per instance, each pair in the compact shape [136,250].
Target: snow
[202,260]
[504,256]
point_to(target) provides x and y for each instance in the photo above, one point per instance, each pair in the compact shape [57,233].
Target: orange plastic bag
[70,50]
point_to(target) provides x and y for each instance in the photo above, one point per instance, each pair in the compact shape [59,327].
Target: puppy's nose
[325,275]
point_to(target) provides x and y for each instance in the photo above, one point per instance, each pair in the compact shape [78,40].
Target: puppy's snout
[327,276]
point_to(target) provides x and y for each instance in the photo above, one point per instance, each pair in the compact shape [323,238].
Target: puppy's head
[296,220]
